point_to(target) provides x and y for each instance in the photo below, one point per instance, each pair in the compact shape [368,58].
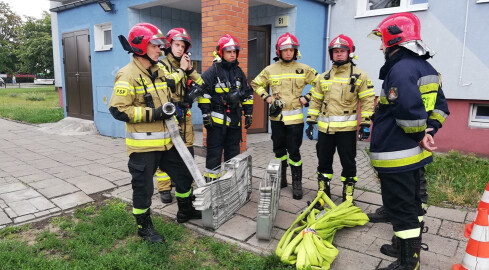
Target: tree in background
[9,25]
[35,47]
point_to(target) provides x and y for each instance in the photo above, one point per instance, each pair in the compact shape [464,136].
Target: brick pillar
[221,17]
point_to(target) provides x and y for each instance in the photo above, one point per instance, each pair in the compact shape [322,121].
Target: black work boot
[296,182]
[409,256]
[186,210]
[165,196]
[324,183]
[283,179]
[394,249]
[348,188]
[146,229]
[379,216]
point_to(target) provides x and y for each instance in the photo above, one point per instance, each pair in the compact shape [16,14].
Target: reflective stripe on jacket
[127,102]
[411,95]
[287,81]
[334,101]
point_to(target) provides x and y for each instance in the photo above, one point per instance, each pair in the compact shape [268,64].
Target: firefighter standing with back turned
[226,96]
[182,95]
[334,108]
[410,110]
[141,99]
[287,78]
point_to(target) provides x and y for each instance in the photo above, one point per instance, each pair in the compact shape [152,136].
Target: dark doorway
[78,74]
[258,59]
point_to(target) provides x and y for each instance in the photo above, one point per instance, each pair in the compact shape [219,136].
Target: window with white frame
[479,115]
[366,8]
[103,36]
[482,1]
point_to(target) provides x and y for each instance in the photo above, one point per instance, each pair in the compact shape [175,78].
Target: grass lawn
[31,105]
[104,237]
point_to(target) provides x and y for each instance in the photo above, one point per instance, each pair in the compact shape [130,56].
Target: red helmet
[341,41]
[179,34]
[398,28]
[286,41]
[227,43]
[143,33]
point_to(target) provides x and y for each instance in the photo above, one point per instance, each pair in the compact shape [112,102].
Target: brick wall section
[221,17]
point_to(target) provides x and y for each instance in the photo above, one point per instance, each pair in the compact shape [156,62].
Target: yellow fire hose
[308,241]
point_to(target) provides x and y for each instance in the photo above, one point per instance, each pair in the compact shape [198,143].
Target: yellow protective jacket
[287,81]
[177,81]
[335,99]
[127,104]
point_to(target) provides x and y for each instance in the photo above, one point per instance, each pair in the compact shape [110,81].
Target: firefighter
[334,108]
[141,99]
[185,86]
[226,97]
[287,78]
[410,110]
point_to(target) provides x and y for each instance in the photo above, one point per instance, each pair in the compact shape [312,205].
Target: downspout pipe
[330,4]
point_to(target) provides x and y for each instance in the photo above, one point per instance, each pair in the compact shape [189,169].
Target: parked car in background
[2,82]
[42,78]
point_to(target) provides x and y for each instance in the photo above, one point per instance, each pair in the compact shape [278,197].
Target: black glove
[364,132]
[207,120]
[310,129]
[159,114]
[248,121]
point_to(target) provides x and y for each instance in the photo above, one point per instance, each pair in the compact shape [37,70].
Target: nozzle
[169,108]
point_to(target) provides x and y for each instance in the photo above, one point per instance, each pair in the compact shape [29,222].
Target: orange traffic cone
[484,203]
[477,251]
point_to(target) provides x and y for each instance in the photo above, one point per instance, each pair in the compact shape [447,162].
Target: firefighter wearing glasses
[141,100]
[287,78]
[185,85]
[334,108]
[410,110]
[226,97]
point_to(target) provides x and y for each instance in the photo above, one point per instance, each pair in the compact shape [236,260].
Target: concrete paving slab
[353,240]
[249,210]
[72,200]
[447,213]
[441,245]
[4,218]
[54,187]
[238,227]
[19,195]
[22,208]
[90,184]
[353,260]
[284,220]
[24,218]
[12,187]
[452,230]
[41,203]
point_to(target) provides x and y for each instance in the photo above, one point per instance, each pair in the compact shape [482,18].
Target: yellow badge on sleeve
[275,82]
[121,92]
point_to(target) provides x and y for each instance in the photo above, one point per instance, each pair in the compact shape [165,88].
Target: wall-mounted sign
[281,21]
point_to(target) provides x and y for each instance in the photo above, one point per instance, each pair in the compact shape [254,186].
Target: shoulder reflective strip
[342,118]
[438,117]
[293,163]
[366,93]
[145,136]
[147,143]
[175,76]
[137,211]
[138,114]
[121,84]
[202,100]
[288,118]
[406,234]
[258,81]
[260,90]
[428,79]
[471,262]
[480,234]
[432,87]
[313,112]
[317,95]
[292,112]
[284,157]
[247,102]
[183,195]
[390,163]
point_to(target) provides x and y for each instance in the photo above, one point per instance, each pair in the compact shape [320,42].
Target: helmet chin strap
[340,63]
[153,62]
